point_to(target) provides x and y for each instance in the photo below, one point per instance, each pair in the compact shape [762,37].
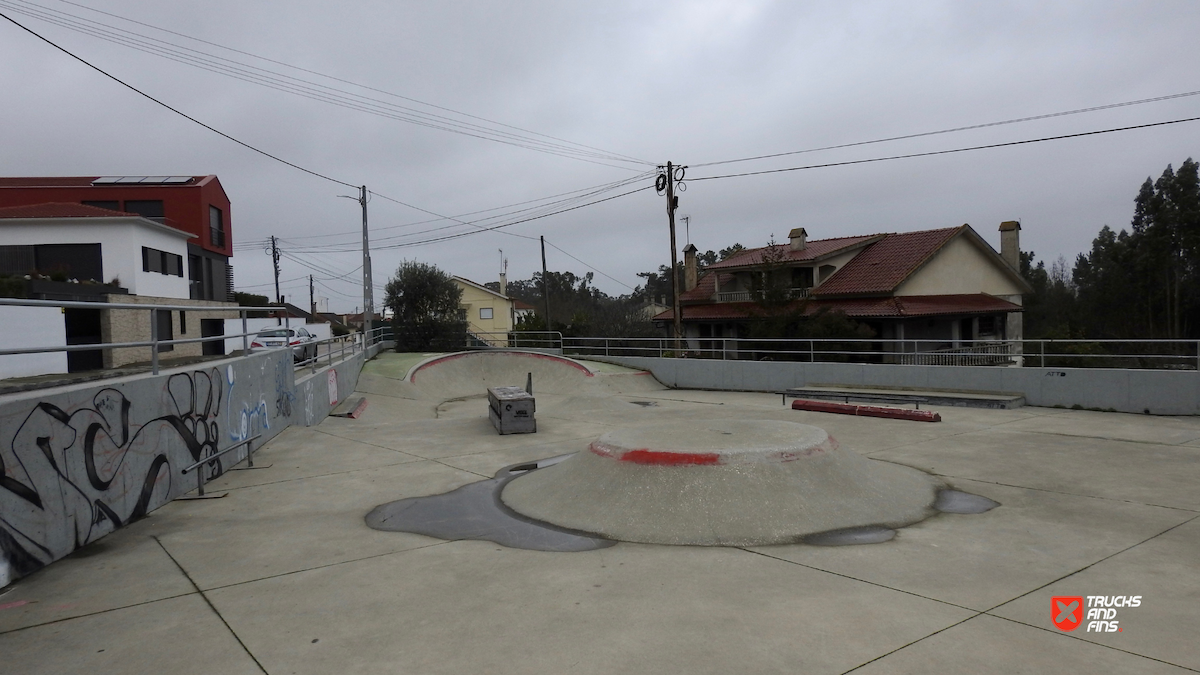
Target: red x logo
[1066,612]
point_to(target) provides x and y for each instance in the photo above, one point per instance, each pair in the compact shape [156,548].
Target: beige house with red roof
[937,288]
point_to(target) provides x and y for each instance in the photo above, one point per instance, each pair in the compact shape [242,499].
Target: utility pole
[312,300]
[275,259]
[368,286]
[545,283]
[665,184]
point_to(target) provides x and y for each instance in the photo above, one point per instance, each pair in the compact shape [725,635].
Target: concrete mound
[721,483]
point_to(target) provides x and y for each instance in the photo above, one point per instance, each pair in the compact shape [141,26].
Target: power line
[947,152]
[985,125]
[125,84]
[301,87]
[509,224]
[377,244]
[589,266]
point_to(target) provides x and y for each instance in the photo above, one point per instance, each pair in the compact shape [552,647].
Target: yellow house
[489,314]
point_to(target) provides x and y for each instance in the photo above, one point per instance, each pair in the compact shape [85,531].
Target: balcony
[750,296]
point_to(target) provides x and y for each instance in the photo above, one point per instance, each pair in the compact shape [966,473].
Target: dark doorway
[83,328]
[213,328]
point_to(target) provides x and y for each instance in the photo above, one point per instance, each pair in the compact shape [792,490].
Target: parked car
[303,343]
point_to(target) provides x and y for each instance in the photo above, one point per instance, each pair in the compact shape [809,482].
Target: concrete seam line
[333,564]
[320,475]
[1098,644]
[1090,565]
[211,606]
[95,613]
[865,581]
[1057,492]
[905,646]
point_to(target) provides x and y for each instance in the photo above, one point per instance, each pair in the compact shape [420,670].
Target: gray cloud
[691,82]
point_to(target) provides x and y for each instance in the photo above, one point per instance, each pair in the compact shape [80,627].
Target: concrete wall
[79,461]
[1158,392]
[22,327]
[133,325]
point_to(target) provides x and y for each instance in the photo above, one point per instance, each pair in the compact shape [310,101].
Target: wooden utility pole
[545,283]
[312,300]
[666,183]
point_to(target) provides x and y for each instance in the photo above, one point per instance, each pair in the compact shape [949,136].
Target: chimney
[503,284]
[1010,243]
[689,267]
[799,239]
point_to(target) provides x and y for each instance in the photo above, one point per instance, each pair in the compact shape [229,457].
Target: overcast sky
[691,82]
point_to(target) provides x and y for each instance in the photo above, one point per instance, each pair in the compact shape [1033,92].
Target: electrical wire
[985,125]
[947,152]
[344,81]
[597,271]
[305,88]
[134,89]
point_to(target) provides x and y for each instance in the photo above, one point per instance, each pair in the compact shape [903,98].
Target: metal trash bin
[511,410]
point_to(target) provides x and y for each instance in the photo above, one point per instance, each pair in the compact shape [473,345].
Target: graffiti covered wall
[78,462]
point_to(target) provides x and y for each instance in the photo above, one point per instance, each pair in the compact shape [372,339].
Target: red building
[194,204]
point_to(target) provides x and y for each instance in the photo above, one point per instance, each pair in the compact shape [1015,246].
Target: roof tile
[884,264]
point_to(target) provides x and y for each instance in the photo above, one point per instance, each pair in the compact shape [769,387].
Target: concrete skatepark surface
[721,483]
[284,576]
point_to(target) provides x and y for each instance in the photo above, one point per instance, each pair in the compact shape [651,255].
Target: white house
[91,243]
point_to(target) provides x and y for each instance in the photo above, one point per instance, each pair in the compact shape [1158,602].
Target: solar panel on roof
[142,180]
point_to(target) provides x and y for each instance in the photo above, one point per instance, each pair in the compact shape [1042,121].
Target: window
[146,208]
[216,227]
[154,260]
[485,312]
[182,322]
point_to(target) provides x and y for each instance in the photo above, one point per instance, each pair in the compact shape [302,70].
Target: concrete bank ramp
[471,373]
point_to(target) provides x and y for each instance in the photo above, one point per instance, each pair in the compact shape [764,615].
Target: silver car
[301,341]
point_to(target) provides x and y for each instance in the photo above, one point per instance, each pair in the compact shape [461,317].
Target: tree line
[1140,283]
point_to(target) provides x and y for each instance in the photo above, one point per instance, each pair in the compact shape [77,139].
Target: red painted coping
[548,357]
[866,410]
[648,457]
[358,409]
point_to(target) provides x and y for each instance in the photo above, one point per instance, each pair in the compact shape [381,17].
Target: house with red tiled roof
[938,288]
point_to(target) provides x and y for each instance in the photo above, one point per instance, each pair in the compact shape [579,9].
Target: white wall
[121,241]
[234,327]
[32,327]
[959,268]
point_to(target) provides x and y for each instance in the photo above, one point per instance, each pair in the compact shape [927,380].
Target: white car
[300,340]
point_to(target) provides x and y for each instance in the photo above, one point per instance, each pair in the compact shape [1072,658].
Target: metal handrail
[154,343]
[200,474]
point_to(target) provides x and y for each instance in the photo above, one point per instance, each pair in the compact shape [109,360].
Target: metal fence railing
[322,349]
[1156,354]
